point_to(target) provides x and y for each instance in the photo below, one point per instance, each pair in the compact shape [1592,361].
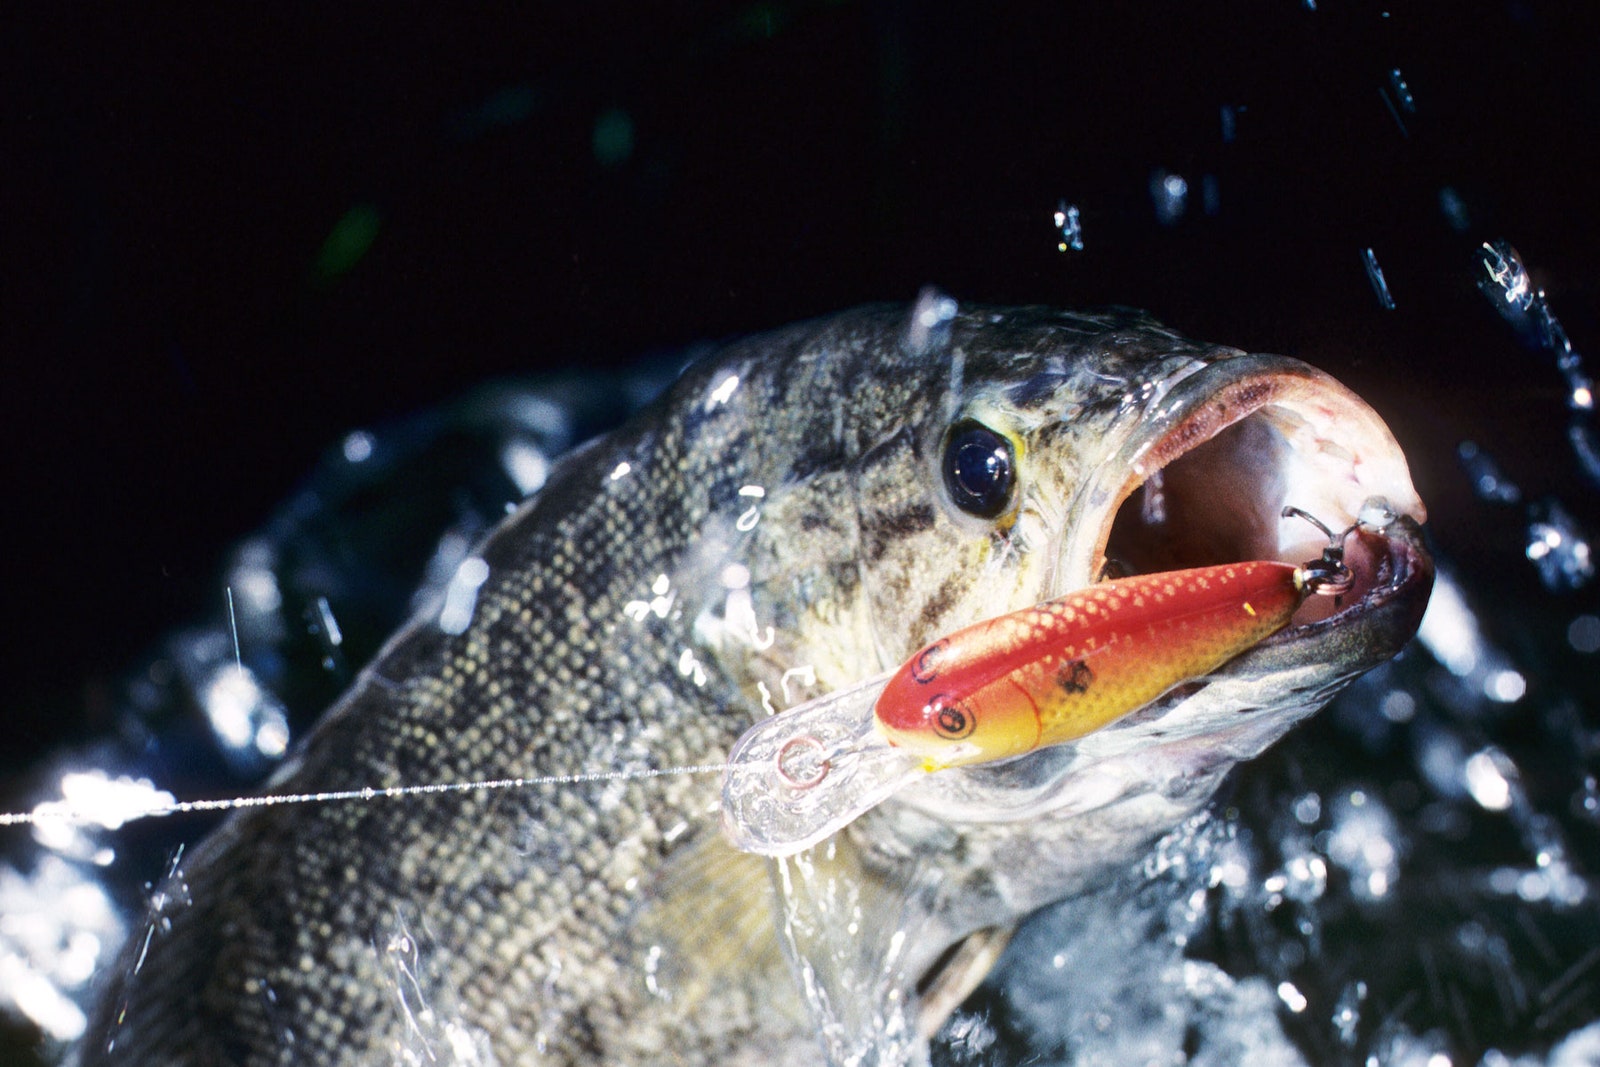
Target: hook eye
[1330,575]
[802,762]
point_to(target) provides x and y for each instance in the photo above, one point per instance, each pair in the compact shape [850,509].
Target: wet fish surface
[785,521]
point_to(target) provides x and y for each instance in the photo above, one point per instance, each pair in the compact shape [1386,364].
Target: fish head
[970,463]
[1050,451]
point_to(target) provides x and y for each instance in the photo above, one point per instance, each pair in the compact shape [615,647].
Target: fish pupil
[979,469]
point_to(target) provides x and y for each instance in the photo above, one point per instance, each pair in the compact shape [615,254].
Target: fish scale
[280,887]
[608,921]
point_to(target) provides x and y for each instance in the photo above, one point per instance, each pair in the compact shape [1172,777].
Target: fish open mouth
[1205,479]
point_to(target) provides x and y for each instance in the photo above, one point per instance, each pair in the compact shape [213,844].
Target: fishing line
[113,816]
[54,811]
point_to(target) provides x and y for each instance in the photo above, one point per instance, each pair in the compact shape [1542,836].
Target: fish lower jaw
[1054,843]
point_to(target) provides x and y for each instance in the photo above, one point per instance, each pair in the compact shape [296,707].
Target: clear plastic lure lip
[797,777]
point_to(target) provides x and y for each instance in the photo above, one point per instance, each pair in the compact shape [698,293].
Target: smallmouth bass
[786,510]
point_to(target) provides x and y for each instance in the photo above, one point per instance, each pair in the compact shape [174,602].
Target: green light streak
[349,240]
[613,137]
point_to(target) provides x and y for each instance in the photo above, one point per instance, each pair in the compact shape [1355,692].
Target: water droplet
[1292,998]
[1347,1012]
[1398,706]
[1489,775]
[613,137]
[1505,686]
[1584,634]
[1489,482]
[1171,195]
[1455,209]
[1380,285]
[357,447]
[1504,280]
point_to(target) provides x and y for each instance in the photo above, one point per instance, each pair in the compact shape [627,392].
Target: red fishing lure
[1061,669]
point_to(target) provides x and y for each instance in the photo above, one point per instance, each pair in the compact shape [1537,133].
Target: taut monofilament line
[58,811]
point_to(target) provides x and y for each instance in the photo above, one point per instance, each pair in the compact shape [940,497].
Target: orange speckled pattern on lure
[1064,668]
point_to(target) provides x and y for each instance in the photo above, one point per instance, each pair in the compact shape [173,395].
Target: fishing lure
[1049,673]
[1058,670]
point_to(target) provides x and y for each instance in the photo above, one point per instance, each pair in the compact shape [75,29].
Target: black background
[174,360]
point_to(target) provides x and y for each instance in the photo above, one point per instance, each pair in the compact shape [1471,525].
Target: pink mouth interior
[1220,501]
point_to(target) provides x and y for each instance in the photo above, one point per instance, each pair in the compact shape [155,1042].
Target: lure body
[1066,667]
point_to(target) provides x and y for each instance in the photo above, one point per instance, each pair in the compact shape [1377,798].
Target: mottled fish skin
[607,922]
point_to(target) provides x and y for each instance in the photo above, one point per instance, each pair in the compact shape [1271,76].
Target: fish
[802,509]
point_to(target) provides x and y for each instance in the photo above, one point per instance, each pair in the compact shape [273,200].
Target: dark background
[227,236]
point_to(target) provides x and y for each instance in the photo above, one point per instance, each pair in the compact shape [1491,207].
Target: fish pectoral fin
[710,911]
[953,977]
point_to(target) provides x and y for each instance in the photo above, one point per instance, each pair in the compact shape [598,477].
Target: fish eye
[980,469]
[949,719]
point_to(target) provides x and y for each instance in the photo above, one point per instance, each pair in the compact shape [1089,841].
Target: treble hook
[1330,575]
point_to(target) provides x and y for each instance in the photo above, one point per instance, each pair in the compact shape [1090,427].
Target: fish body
[773,527]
